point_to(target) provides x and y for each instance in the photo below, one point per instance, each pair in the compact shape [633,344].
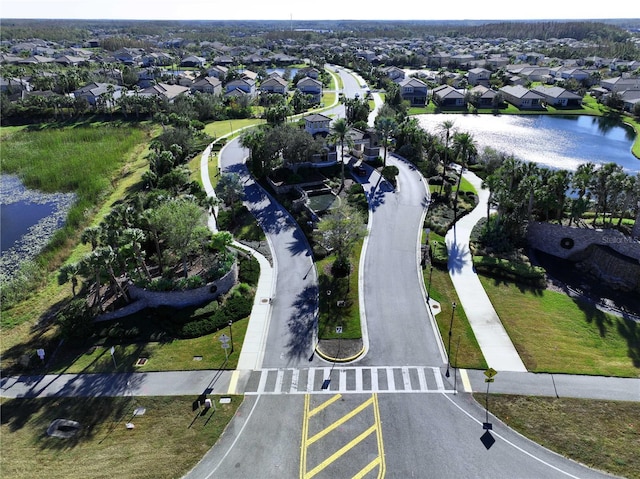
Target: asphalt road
[333,433]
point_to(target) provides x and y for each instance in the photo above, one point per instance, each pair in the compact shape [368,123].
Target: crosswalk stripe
[346,380]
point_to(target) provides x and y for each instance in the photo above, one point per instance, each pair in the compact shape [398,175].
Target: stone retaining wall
[143,298]
[565,242]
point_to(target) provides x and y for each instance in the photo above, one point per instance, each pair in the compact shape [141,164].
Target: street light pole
[453,310]
[231,334]
[429,288]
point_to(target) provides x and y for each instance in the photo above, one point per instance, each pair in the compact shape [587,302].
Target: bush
[510,270]
[249,270]
[236,307]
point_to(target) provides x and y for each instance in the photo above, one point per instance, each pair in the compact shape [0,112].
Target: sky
[320,10]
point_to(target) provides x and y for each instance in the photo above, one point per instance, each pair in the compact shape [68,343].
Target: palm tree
[465,149]
[445,128]
[385,126]
[340,133]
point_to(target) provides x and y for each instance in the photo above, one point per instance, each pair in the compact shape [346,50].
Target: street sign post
[224,339]
[490,377]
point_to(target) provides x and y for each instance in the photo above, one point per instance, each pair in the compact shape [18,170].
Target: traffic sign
[490,373]
[226,345]
[224,338]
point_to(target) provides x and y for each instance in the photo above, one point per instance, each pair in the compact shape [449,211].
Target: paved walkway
[493,340]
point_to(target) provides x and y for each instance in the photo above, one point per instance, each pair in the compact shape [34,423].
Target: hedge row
[512,271]
[234,308]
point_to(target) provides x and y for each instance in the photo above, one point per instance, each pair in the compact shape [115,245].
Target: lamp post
[429,288]
[231,334]
[453,310]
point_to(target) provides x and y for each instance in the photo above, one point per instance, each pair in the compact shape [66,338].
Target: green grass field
[554,333]
[166,442]
[601,434]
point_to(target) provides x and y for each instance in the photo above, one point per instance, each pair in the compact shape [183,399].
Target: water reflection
[28,220]
[553,141]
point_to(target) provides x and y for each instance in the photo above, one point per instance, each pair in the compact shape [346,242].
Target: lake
[28,219]
[562,142]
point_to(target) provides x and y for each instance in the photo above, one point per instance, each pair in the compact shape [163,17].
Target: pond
[280,71]
[553,141]
[28,219]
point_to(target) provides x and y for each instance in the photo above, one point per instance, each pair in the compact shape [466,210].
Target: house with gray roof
[414,91]
[274,84]
[522,97]
[445,96]
[309,86]
[558,97]
[209,85]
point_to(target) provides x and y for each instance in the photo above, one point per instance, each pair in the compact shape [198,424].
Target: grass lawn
[166,442]
[465,352]
[217,129]
[554,333]
[601,434]
[341,289]
[175,355]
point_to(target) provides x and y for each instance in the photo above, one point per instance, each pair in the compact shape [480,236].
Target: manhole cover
[197,358]
[264,300]
[141,361]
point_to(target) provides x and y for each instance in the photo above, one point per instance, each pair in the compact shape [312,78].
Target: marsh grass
[166,442]
[88,160]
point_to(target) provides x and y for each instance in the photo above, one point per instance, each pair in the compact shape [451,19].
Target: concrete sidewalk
[493,340]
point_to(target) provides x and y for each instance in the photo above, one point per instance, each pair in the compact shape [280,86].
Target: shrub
[236,307]
[249,270]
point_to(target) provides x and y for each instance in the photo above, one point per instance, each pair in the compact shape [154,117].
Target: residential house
[483,96]
[558,97]
[310,72]
[129,56]
[218,71]
[414,91]
[193,61]
[394,73]
[478,76]
[446,96]
[246,86]
[564,73]
[522,97]
[317,123]
[249,75]
[629,99]
[312,87]
[365,144]
[620,84]
[274,84]
[157,59]
[207,85]
[439,59]
[93,91]
[165,90]
[68,60]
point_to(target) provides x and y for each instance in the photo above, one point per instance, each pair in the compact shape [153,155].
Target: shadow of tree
[594,316]
[630,330]
[302,323]
[96,397]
